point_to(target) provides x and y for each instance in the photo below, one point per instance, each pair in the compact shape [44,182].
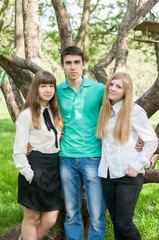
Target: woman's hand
[29,149]
[30,180]
[131,172]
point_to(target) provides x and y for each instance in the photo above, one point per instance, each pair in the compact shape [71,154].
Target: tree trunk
[84,24]
[157,55]
[31,31]
[149,100]
[63,22]
[12,97]
[122,39]
[22,78]
[86,35]
[19,36]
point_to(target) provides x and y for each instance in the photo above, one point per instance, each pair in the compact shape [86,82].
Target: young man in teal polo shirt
[80,100]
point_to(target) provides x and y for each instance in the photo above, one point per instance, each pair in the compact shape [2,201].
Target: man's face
[73,67]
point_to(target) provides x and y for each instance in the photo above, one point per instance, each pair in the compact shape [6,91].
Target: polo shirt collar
[116,107]
[85,83]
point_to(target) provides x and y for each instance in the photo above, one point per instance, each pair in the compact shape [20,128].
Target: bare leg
[29,224]
[47,221]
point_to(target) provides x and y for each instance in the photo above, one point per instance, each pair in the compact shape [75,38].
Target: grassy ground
[10,210]
[147,210]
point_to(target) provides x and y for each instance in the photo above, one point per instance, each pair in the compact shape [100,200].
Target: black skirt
[44,192]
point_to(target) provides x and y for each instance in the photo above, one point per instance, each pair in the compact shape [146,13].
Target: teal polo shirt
[80,112]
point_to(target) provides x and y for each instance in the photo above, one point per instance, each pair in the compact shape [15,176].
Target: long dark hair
[33,99]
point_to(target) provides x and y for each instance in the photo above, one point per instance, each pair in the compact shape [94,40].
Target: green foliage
[7,28]
[7,50]
[142,68]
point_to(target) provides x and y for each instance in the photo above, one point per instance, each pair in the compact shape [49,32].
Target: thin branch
[95,6]
[5,6]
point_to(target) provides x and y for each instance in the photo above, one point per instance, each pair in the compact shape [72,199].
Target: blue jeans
[72,171]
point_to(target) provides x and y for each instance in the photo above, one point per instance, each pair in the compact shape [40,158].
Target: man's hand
[139,146]
[29,149]
[130,171]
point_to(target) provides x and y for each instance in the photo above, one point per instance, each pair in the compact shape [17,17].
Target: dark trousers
[121,196]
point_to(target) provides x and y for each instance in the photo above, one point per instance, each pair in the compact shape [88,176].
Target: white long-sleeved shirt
[41,140]
[117,157]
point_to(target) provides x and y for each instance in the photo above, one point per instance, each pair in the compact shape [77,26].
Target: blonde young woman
[121,124]
[39,124]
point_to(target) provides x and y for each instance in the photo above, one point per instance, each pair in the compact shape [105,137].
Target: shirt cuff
[27,173]
[139,166]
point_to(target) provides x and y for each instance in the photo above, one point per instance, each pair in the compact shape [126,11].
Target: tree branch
[149,100]
[94,8]
[22,63]
[63,22]
[151,176]
[21,77]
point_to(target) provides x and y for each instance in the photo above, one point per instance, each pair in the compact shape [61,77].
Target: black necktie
[49,124]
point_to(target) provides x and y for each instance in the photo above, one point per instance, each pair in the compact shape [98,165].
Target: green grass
[147,209]
[10,210]
[155,117]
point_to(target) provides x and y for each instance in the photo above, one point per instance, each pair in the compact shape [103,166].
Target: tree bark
[82,39]
[122,38]
[156,45]
[63,22]
[22,78]
[19,38]
[84,24]
[31,31]
[151,176]
[86,35]
[12,97]
[149,100]
[21,63]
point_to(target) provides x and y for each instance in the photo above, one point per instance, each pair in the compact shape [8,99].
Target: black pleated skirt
[44,192]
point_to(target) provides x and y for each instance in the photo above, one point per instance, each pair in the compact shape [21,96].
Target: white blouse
[41,140]
[116,156]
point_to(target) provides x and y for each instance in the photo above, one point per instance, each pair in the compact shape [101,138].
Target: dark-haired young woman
[39,124]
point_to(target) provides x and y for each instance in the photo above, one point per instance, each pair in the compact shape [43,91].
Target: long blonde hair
[33,99]
[121,130]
